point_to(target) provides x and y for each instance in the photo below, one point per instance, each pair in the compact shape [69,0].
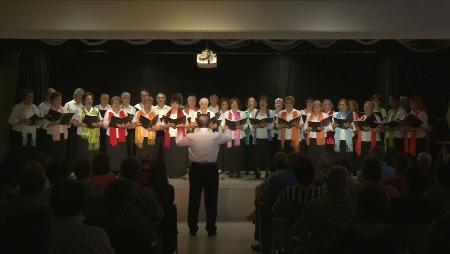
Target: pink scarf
[237,133]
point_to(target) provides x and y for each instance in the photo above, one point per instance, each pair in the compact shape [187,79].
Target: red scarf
[330,134]
[320,135]
[179,129]
[112,131]
[373,139]
[410,145]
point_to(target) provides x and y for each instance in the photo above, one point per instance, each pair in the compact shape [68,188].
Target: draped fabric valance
[279,45]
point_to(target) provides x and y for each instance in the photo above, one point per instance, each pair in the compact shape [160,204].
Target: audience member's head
[372,204]
[304,171]
[291,161]
[443,175]
[130,169]
[101,164]
[338,179]
[82,169]
[326,160]
[57,171]
[43,159]
[118,195]
[401,163]
[32,179]
[279,160]
[378,152]
[344,162]
[372,169]
[424,160]
[66,198]
[416,180]
[157,174]
[144,159]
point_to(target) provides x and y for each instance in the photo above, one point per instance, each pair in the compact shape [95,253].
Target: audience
[380,153]
[82,170]
[57,171]
[333,210]
[369,232]
[71,236]
[441,192]
[326,161]
[371,173]
[301,193]
[101,169]
[401,162]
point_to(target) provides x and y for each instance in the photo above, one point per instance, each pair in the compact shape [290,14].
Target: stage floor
[235,200]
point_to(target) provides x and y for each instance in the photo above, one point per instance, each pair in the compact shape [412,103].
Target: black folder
[147,123]
[304,118]
[254,121]
[53,115]
[289,123]
[65,118]
[35,118]
[232,124]
[392,124]
[372,122]
[341,122]
[315,125]
[168,120]
[117,120]
[412,121]
[89,120]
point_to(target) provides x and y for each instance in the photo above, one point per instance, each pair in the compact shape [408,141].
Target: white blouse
[174,131]
[136,119]
[315,118]
[262,133]
[424,118]
[366,136]
[233,117]
[342,132]
[106,121]
[290,116]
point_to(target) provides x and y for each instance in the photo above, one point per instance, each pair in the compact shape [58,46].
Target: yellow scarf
[91,134]
[139,132]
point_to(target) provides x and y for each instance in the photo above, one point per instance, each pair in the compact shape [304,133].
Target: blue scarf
[348,135]
[269,131]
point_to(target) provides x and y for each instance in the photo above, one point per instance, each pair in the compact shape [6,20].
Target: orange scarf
[320,135]
[295,136]
[410,145]
[373,138]
[139,132]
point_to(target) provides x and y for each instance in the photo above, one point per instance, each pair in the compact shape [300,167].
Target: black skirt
[264,154]
[116,154]
[287,146]
[83,149]
[131,147]
[57,149]
[250,155]
[148,149]
[176,160]
[315,151]
[234,157]
[220,160]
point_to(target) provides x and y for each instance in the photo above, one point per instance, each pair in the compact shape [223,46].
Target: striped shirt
[297,195]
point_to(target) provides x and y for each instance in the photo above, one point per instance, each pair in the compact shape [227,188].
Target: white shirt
[91,112]
[21,111]
[366,136]
[424,118]
[203,145]
[44,107]
[130,110]
[315,118]
[100,107]
[233,117]
[139,106]
[106,121]
[72,106]
[136,119]
[275,113]
[290,116]
[174,131]
[62,128]
[160,112]
[262,133]
[342,131]
[214,109]
[400,114]
[190,113]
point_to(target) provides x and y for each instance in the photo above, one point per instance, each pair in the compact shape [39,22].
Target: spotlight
[207,59]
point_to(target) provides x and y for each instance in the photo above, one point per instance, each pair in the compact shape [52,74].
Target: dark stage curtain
[33,74]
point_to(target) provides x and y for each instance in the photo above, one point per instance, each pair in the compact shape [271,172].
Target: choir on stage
[80,129]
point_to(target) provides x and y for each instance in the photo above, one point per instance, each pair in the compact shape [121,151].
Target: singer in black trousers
[203,147]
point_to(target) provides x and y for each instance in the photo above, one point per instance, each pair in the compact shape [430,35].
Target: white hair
[369,103]
[78,91]
[202,100]
[190,97]
[278,99]
[124,94]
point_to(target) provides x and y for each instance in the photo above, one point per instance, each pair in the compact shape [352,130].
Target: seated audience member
[441,192]
[56,172]
[71,236]
[144,160]
[440,231]
[371,173]
[101,169]
[129,230]
[144,199]
[281,179]
[412,214]
[414,207]
[82,170]
[25,226]
[401,162]
[333,210]
[369,232]
[326,161]
[388,171]
[304,192]
[424,160]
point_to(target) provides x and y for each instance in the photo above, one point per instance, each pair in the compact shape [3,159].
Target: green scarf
[91,134]
[389,137]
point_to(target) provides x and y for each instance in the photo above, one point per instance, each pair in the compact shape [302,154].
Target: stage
[235,200]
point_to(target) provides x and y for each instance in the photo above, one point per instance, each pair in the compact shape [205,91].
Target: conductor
[203,147]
